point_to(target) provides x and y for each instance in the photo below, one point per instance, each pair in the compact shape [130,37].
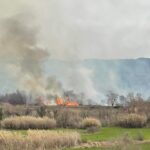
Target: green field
[114,132]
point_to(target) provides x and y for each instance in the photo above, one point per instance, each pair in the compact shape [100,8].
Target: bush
[68,118]
[139,137]
[39,140]
[28,122]
[132,121]
[41,111]
[90,122]
[1,113]
[92,129]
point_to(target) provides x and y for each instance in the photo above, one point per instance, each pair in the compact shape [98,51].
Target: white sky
[88,28]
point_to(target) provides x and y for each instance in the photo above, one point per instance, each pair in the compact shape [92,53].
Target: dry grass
[68,118]
[39,140]
[90,122]
[132,121]
[28,122]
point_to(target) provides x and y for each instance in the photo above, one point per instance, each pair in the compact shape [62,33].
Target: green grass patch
[113,133]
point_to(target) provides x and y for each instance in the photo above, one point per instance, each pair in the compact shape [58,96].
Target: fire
[58,101]
[72,104]
[68,103]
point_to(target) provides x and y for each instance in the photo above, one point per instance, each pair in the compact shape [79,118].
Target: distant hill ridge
[120,75]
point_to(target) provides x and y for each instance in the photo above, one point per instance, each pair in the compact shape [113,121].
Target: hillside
[122,75]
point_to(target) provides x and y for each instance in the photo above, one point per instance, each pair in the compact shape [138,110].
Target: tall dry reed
[38,140]
[28,122]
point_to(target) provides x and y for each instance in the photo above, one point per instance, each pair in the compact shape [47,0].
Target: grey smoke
[54,87]
[23,57]
[25,62]
[98,28]
[74,30]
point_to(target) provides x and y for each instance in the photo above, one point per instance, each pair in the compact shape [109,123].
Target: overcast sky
[87,28]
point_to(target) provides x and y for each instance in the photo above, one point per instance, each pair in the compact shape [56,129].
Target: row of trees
[16,98]
[114,99]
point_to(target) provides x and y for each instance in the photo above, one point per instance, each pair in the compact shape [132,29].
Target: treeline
[114,99]
[15,98]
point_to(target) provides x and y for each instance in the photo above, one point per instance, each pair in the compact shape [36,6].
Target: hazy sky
[87,28]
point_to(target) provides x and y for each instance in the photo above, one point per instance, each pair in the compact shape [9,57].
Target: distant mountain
[95,77]
[120,75]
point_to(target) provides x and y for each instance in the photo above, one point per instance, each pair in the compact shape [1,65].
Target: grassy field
[114,133]
[109,134]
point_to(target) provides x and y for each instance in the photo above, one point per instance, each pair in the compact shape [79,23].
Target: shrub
[139,137]
[68,118]
[40,140]
[28,122]
[1,113]
[42,111]
[90,122]
[132,121]
[92,129]
[55,139]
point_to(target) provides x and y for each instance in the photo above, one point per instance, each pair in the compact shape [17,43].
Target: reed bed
[28,122]
[39,140]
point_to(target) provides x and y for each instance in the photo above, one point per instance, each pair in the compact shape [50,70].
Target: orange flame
[59,101]
[68,103]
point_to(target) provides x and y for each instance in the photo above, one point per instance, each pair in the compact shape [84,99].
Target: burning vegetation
[57,101]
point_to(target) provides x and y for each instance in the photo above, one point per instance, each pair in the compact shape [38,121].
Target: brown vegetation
[71,117]
[91,124]
[68,118]
[132,121]
[28,122]
[39,140]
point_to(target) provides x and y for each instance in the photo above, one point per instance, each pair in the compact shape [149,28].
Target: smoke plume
[24,60]
[23,57]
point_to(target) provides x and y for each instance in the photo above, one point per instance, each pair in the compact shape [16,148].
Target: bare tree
[16,98]
[122,100]
[139,97]
[130,97]
[148,99]
[112,98]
